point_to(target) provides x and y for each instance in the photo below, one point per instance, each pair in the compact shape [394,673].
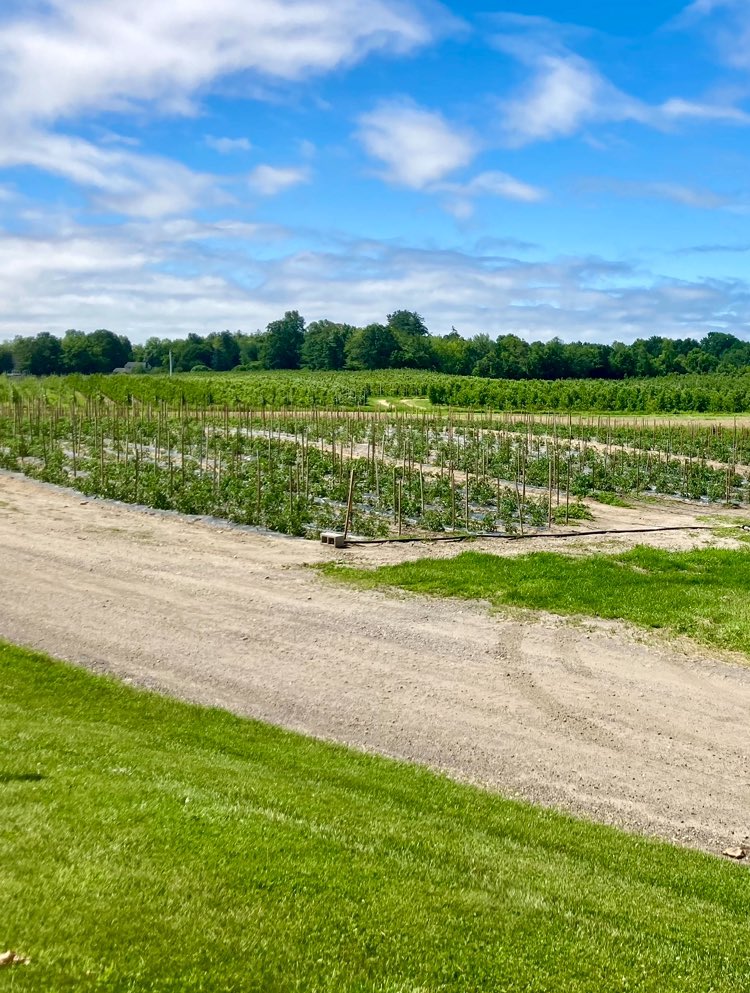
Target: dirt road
[590,717]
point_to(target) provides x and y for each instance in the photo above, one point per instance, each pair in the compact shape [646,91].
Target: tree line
[402,342]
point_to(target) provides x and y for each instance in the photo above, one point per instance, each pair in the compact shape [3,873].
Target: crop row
[301,474]
[301,389]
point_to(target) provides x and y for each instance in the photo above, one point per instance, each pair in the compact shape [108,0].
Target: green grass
[736,533]
[703,594]
[150,845]
[729,527]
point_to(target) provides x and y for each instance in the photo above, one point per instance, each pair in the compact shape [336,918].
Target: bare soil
[591,717]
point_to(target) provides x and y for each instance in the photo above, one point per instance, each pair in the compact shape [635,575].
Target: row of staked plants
[300,474]
[567,453]
[725,443]
[234,468]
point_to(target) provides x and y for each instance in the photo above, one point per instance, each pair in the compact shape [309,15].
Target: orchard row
[371,475]
[713,393]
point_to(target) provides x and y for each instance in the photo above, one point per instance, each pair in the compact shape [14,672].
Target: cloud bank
[168,278]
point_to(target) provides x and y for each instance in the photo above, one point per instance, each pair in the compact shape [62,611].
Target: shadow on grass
[20,777]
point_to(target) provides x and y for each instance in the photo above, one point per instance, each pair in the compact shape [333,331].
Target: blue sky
[575,169]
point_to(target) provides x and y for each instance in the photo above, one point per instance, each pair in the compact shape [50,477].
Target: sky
[578,169]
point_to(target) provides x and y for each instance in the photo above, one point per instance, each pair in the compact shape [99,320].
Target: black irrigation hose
[533,534]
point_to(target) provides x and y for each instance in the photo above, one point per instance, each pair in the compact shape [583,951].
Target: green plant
[610,499]
[575,511]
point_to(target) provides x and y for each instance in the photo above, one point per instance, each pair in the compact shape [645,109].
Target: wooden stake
[349,500]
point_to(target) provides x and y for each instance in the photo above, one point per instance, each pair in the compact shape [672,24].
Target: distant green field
[703,594]
[148,845]
[710,393]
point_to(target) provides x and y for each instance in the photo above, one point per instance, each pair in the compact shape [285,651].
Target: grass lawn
[150,845]
[704,594]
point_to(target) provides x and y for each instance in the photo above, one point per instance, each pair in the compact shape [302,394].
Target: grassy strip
[703,594]
[150,845]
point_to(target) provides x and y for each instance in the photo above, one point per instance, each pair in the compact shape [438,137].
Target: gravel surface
[591,717]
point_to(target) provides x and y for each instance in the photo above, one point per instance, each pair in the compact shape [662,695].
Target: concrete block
[335,538]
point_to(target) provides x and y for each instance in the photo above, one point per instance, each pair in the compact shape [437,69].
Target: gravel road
[590,717]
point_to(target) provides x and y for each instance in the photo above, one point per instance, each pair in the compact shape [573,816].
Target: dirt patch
[589,717]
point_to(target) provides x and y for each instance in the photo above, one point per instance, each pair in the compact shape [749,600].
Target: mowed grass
[151,845]
[703,594]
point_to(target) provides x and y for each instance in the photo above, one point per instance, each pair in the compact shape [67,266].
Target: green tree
[76,354]
[155,353]
[621,361]
[6,358]
[668,360]
[643,362]
[407,322]
[484,354]
[718,342]
[191,352]
[547,360]
[251,349]
[109,350]
[453,354]
[584,361]
[512,357]
[101,351]
[40,355]
[698,361]
[225,351]
[414,346]
[283,344]
[324,346]
[737,357]
[372,347]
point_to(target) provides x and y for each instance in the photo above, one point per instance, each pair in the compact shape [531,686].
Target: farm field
[165,541]
[369,869]
[371,475]
[374,497]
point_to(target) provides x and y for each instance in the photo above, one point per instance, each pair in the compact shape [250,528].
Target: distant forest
[402,342]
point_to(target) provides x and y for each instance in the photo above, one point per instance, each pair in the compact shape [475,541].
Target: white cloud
[461,196]
[676,109]
[181,230]
[168,278]
[122,181]
[705,7]
[714,249]
[419,147]
[495,184]
[67,57]
[269,180]
[566,93]
[728,25]
[226,146]
[63,59]
[686,196]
